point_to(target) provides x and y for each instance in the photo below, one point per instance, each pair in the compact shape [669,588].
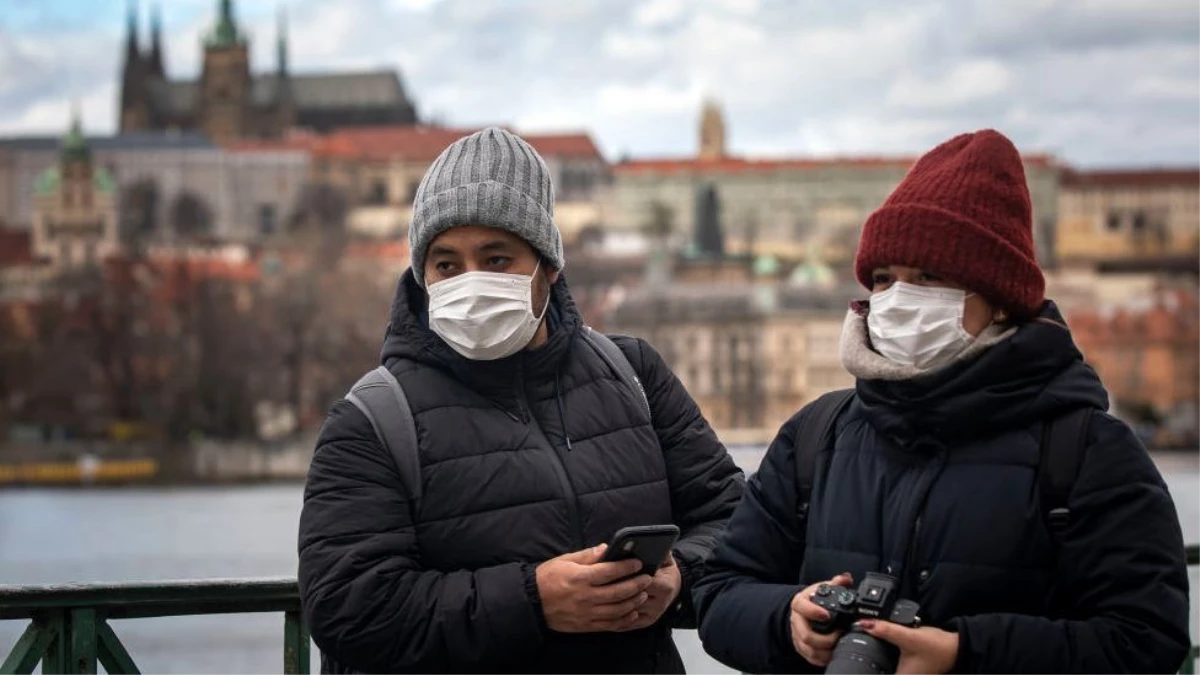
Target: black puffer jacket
[452,587]
[938,484]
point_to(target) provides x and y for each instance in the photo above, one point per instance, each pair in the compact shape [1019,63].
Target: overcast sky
[1096,82]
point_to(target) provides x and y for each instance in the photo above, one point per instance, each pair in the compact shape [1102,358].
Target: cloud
[1101,82]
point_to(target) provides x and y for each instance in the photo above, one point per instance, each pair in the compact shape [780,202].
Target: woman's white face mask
[918,325]
[485,316]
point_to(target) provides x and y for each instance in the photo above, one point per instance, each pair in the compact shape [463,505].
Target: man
[531,452]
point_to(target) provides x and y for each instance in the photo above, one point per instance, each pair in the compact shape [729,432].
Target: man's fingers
[587,556]
[618,592]
[618,625]
[602,574]
[617,610]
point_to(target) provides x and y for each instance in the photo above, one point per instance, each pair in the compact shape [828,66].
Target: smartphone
[649,543]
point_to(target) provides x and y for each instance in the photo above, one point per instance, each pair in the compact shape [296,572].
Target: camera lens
[860,654]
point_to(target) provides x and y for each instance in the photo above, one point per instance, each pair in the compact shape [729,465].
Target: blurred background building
[219,269]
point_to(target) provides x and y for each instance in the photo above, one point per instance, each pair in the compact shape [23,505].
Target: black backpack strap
[812,438]
[617,361]
[380,397]
[1064,441]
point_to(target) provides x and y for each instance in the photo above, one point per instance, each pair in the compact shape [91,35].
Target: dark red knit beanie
[963,213]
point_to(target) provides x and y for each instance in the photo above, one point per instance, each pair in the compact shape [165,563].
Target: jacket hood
[409,337]
[1034,375]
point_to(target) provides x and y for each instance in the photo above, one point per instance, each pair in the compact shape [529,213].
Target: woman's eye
[881,279]
[497,261]
[931,278]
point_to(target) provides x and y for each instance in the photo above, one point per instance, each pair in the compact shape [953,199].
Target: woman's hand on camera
[811,645]
[922,650]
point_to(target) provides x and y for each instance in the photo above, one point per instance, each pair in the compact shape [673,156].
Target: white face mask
[917,325]
[485,315]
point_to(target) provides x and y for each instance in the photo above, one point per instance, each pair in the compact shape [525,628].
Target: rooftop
[1185,177]
[138,140]
[735,164]
[415,143]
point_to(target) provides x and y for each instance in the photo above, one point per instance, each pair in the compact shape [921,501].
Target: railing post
[83,642]
[55,660]
[296,640]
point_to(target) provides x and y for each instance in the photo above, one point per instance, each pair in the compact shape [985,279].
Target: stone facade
[790,207]
[379,169]
[238,195]
[1146,351]
[75,209]
[750,354]
[1130,214]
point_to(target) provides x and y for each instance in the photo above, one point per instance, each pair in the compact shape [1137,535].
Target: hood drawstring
[562,415]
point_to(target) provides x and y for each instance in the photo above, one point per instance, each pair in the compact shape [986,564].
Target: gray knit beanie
[491,178]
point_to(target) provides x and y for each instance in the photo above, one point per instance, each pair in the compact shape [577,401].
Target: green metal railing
[69,629]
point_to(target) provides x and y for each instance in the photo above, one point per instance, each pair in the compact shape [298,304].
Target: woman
[931,475]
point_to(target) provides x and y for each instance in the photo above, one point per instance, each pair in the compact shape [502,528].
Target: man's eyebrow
[496,245]
[438,249]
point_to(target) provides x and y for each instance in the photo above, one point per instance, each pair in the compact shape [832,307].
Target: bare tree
[191,218]
[138,209]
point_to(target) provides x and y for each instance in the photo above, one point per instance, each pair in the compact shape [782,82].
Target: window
[1114,221]
[378,194]
[266,219]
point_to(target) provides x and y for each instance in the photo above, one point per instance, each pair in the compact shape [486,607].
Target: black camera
[857,652]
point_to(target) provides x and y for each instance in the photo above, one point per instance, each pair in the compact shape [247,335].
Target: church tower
[712,131]
[135,102]
[285,111]
[225,80]
[155,61]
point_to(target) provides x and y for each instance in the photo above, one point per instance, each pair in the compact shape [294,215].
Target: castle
[228,103]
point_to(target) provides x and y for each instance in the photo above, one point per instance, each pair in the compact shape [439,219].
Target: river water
[54,536]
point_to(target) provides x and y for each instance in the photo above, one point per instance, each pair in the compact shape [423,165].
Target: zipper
[560,467]
[910,580]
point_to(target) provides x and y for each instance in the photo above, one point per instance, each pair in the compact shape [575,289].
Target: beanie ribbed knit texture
[491,178]
[962,212]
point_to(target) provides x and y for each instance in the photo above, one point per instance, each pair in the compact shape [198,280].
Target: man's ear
[551,276]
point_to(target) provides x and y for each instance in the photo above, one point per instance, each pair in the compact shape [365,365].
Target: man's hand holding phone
[663,590]
[582,594]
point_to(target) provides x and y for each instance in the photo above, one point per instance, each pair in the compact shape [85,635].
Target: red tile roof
[731,164]
[1189,177]
[576,145]
[415,143]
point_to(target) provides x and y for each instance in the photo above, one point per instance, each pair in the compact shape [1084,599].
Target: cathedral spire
[132,49]
[282,46]
[156,54]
